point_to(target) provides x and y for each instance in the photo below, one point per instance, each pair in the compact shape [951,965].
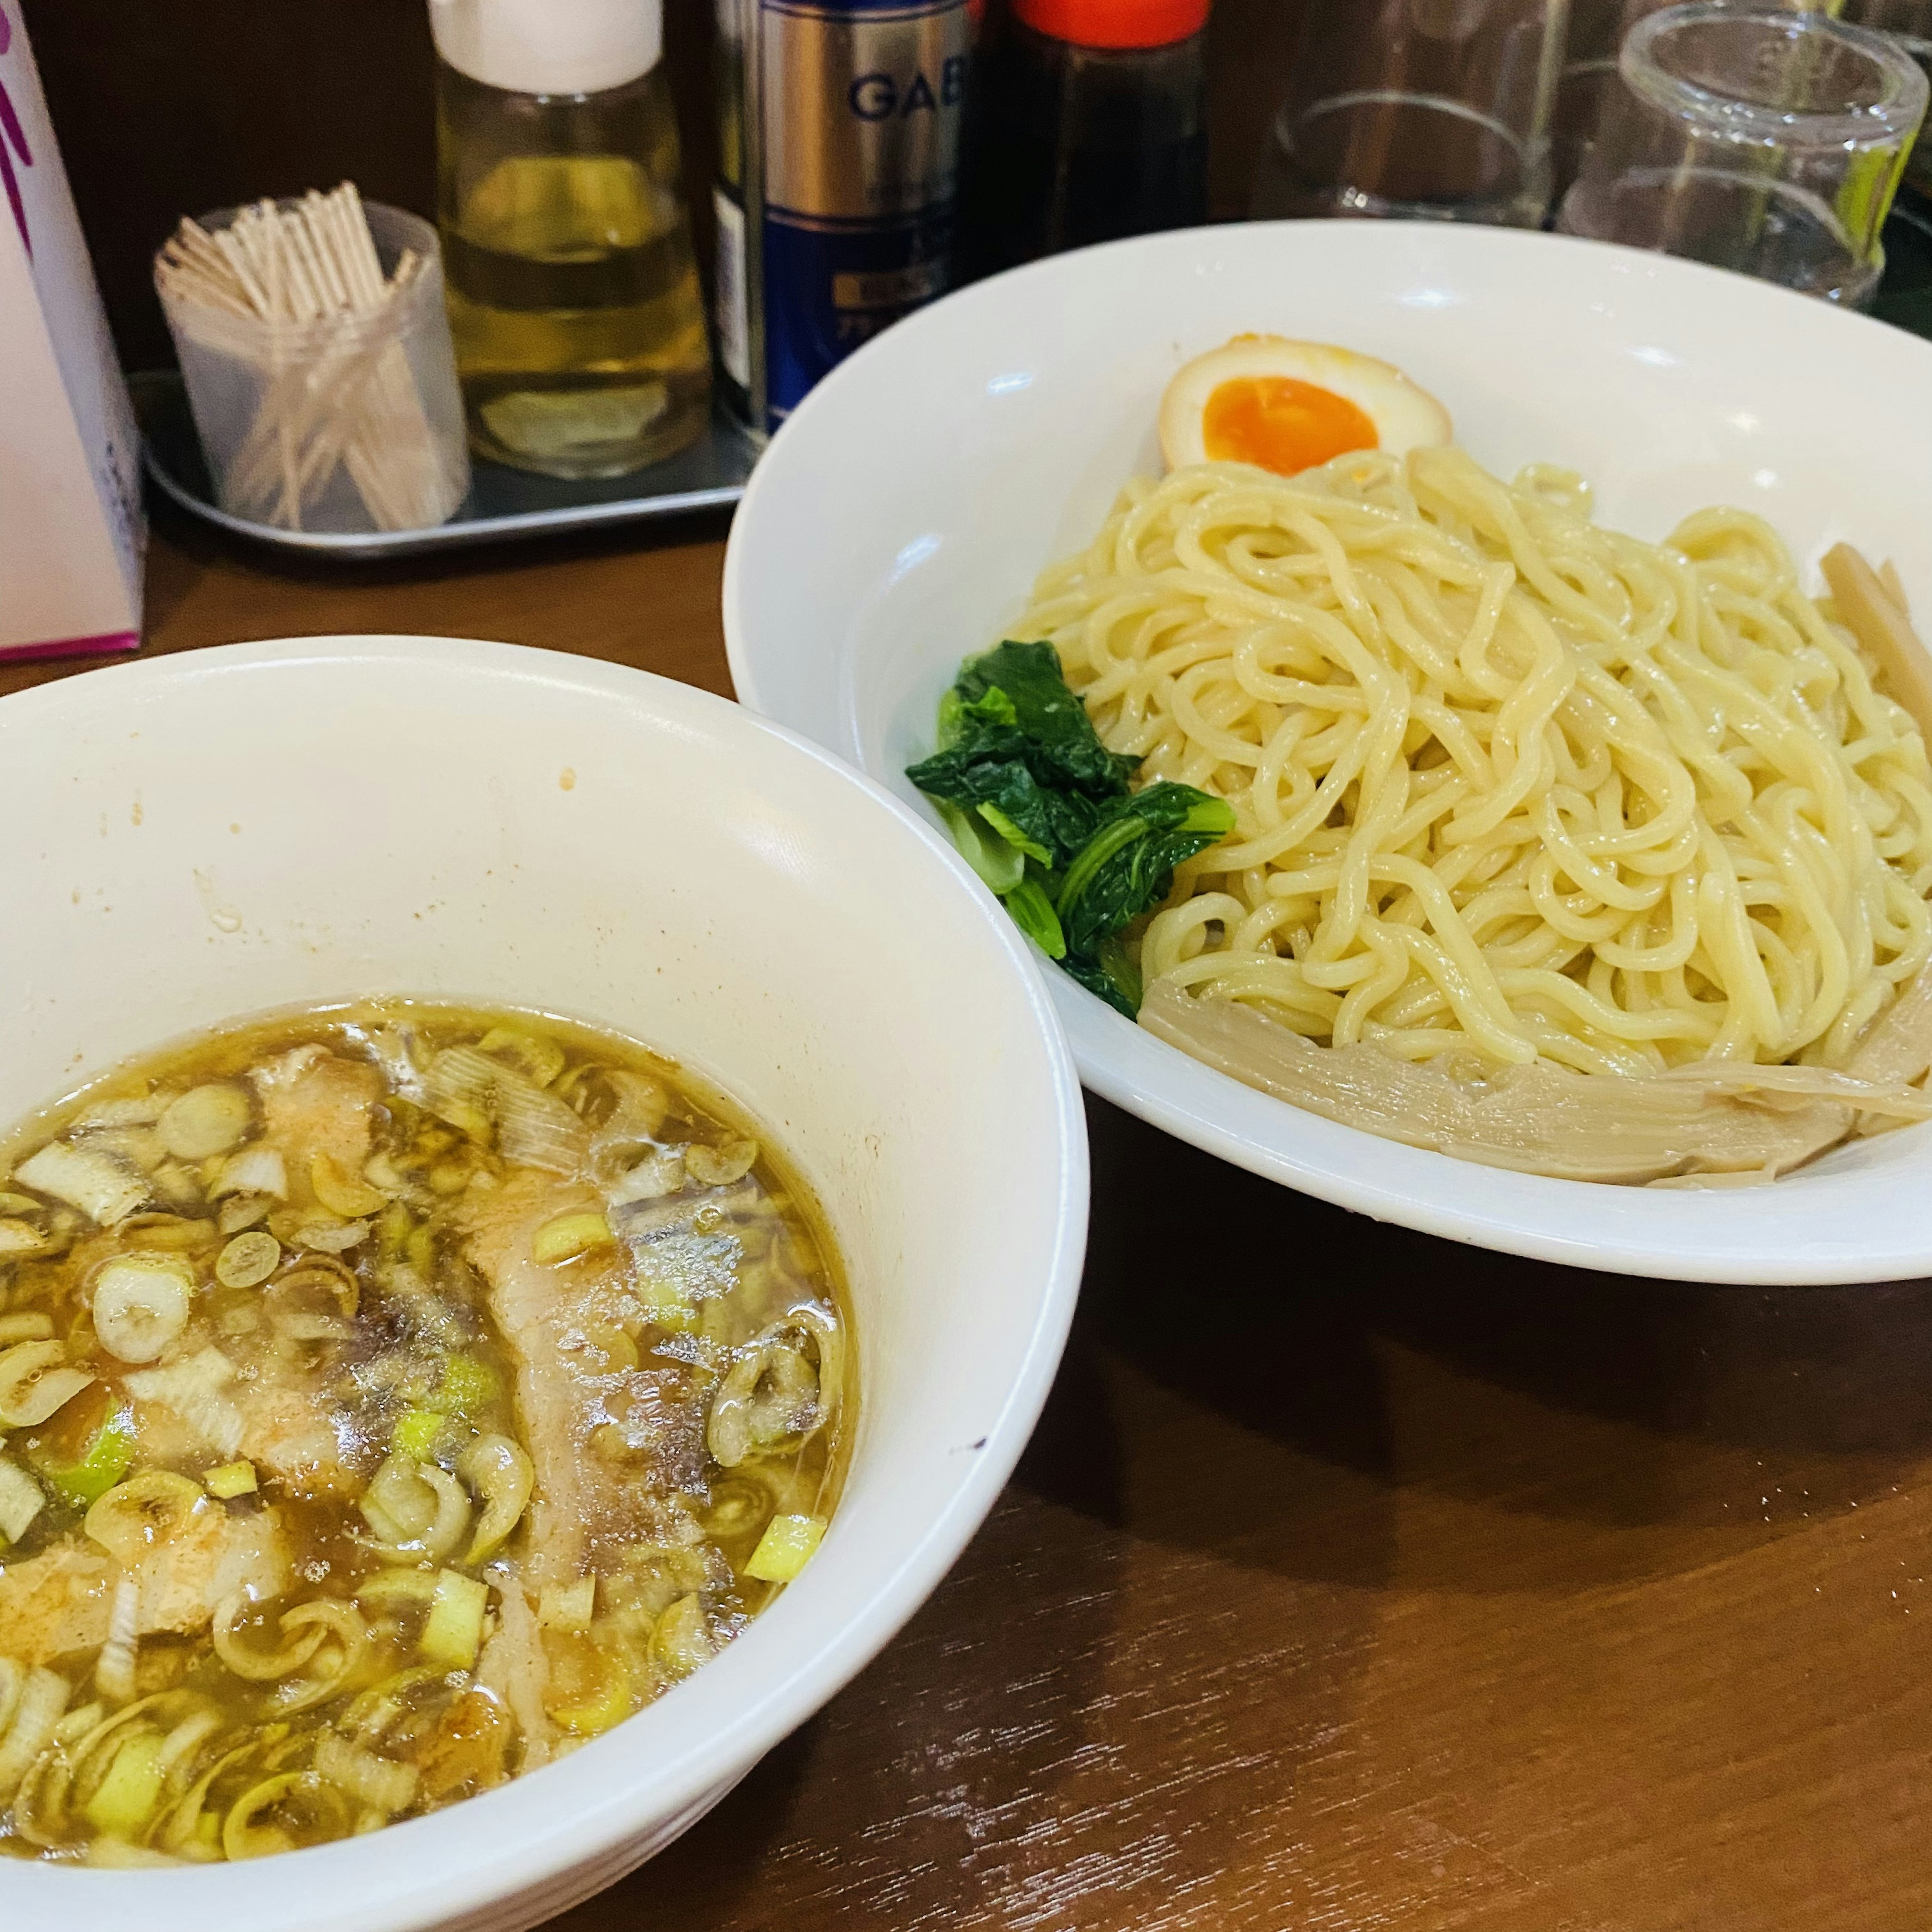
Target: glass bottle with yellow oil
[573,289]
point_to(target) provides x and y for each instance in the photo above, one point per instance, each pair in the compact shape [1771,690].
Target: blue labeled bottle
[840,123]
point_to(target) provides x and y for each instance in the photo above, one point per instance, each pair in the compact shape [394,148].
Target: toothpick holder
[351,422]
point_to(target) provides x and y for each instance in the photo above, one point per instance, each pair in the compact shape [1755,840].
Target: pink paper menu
[71,531]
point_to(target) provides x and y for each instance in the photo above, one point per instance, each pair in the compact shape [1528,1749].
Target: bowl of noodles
[1464,759]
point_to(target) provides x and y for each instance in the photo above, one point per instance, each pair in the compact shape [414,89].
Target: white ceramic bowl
[203,837]
[898,520]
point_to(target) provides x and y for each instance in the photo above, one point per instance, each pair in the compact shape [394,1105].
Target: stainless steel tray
[503,502]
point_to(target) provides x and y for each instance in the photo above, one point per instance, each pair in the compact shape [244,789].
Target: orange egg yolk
[1278,423]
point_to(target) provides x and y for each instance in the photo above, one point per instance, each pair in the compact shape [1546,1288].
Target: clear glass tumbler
[1755,139]
[1427,109]
[1597,31]
[1909,23]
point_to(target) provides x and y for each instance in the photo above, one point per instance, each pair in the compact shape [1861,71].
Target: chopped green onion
[601,1690]
[37,1706]
[231,1479]
[255,1170]
[127,1796]
[568,1236]
[205,1121]
[341,1192]
[22,1237]
[248,1260]
[467,1385]
[134,1516]
[293,1808]
[417,1432]
[539,1060]
[682,1639]
[568,1606]
[453,1634]
[381,1783]
[20,1501]
[77,1723]
[388,1588]
[142,1302]
[785,1548]
[392,1229]
[35,1385]
[666,1303]
[103,1189]
[501,1472]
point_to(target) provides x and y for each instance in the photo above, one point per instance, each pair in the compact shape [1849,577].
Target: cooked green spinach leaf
[1111,972]
[1127,867]
[1012,737]
[1042,812]
[1002,769]
[1027,678]
[1001,865]
[1032,908]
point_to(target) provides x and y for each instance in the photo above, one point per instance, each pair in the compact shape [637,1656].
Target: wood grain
[650,602]
[1356,1580]
[1353,1579]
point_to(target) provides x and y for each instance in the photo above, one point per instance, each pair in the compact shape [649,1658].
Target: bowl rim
[488,1865]
[1197,1104]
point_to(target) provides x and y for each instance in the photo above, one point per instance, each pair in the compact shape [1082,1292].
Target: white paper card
[71,530]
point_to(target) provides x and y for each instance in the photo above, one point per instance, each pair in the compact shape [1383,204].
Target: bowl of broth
[537,1211]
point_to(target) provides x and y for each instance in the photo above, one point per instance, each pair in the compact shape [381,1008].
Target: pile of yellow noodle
[1504,780]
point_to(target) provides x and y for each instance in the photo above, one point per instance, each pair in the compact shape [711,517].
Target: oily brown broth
[640,1327]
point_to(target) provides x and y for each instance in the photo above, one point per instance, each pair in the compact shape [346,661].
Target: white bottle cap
[549,46]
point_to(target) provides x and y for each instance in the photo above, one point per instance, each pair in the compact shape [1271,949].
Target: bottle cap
[1115,23]
[549,46]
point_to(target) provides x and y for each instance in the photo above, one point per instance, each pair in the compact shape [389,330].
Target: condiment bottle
[1093,126]
[839,124]
[573,290]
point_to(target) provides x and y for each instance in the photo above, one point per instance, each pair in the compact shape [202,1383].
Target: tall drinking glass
[1756,139]
[1433,110]
[1597,31]
[1909,23]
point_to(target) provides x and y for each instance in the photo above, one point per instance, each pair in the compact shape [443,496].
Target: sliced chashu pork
[271,1411]
[514,1668]
[287,1432]
[57,1604]
[202,1405]
[315,1102]
[568,1389]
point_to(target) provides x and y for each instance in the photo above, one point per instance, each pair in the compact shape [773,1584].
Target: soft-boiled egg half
[1289,406]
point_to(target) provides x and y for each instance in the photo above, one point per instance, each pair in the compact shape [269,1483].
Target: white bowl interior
[263,826]
[970,445]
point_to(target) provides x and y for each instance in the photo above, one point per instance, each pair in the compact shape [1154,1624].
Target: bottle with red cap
[1091,125]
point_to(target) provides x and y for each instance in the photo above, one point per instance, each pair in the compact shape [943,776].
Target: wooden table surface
[1354,1580]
